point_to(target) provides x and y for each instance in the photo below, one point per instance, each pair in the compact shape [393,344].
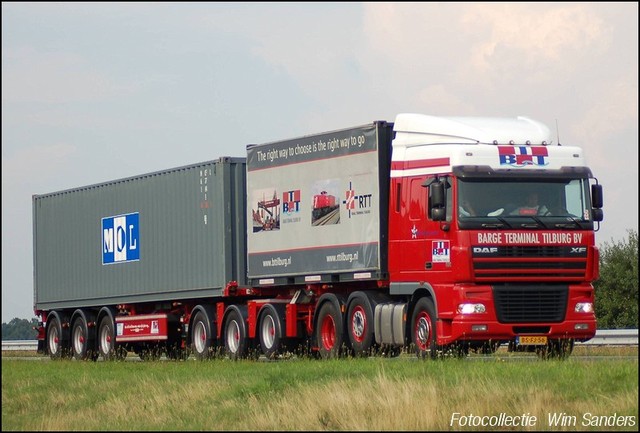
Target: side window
[449,200]
[575,198]
[417,199]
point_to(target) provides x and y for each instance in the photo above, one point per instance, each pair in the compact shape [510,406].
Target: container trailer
[436,235]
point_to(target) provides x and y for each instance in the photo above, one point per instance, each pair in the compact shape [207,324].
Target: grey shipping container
[163,236]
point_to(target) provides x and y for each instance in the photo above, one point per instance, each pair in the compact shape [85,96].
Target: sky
[93,92]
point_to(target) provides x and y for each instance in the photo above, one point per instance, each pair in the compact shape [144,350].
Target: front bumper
[488,330]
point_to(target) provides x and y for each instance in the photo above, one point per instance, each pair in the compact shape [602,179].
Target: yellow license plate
[531,340]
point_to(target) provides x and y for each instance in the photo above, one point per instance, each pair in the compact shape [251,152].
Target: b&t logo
[291,201]
[519,156]
[121,238]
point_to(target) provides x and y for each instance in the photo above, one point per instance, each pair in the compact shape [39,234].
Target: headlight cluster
[584,307]
[471,309]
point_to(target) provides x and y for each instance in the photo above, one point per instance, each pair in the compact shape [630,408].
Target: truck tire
[202,339]
[107,341]
[82,345]
[423,329]
[56,346]
[360,325]
[236,338]
[270,331]
[329,335]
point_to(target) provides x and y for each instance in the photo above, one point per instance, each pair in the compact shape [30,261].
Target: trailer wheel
[423,328]
[202,342]
[82,345]
[329,335]
[107,341]
[55,344]
[236,339]
[271,337]
[360,325]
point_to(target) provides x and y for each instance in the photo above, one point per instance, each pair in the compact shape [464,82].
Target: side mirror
[437,201]
[438,214]
[596,196]
[597,214]
[436,192]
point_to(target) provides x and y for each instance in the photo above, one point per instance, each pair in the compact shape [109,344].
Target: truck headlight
[471,308]
[584,307]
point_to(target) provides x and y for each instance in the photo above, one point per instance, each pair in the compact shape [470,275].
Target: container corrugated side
[163,236]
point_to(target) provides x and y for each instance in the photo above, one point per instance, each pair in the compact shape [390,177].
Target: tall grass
[304,395]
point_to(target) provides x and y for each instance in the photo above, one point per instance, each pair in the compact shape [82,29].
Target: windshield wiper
[500,225]
[575,222]
[538,221]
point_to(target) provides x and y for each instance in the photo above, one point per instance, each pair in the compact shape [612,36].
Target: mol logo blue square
[121,238]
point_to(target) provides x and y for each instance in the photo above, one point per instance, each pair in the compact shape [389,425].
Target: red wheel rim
[328,332]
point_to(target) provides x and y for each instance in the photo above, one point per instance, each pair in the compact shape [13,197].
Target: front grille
[525,263]
[530,304]
[539,251]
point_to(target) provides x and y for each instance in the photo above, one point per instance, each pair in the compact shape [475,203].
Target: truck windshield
[554,202]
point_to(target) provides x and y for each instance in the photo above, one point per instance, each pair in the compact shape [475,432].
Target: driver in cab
[531,207]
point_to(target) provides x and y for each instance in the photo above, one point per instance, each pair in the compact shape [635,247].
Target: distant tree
[617,287]
[19,329]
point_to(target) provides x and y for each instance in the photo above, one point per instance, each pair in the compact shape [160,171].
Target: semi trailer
[432,235]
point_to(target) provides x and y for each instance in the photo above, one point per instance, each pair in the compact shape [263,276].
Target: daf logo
[485,250]
[578,250]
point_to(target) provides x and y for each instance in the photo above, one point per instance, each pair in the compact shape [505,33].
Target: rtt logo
[355,202]
[520,156]
[121,238]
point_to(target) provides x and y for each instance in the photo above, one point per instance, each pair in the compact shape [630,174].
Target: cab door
[438,238]
[407,254]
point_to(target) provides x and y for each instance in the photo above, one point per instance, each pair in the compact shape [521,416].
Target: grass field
[301,395]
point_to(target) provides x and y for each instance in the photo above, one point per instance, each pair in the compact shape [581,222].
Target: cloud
[29,75]
[47,161]
[530,36]
[442,102]
[318,58]
[476,51]
[613,108]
